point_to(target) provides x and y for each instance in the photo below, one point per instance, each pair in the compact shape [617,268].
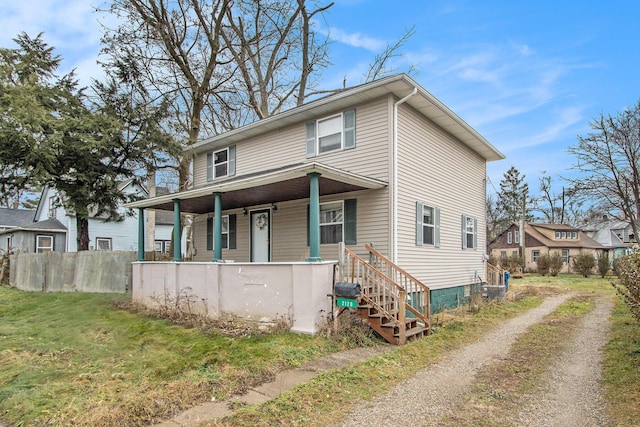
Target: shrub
[584,263]
[555,263]
[512,263]
[543,264]
[616,266]
[628,283]
[603,264]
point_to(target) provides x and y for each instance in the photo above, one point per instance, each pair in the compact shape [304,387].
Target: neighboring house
[615,235]
[18,232]
[384,162]
[56,227]
[543,239]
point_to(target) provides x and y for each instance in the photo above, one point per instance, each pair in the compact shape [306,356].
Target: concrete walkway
[284,381]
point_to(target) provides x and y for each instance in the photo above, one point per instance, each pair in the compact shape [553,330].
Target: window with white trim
[333,133]
[535,255]
[228,232]
[565,256]
[44,243]
[427,225]
[516,236]
[103,243]
[331,222]
[161,246]
[221,163]
[52,206]
[509,237]
[469,232]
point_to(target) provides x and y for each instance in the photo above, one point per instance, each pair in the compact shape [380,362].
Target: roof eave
[399,84]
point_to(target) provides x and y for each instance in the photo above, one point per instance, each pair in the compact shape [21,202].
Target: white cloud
[70,26]
[356,39]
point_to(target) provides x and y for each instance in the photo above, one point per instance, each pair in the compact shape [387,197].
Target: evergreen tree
[511,198]
[53,135]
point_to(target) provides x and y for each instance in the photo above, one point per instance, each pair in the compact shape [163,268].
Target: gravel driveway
[570,396]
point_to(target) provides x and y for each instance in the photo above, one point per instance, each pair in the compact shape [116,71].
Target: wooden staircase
[394,303]
[495,275]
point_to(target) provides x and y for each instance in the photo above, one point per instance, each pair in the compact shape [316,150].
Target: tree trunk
[82,228]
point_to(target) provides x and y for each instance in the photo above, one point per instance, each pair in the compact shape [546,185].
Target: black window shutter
[232,231]
[209,234]
[350,226]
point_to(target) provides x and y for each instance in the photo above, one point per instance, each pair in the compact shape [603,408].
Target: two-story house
[383,163]
[542,239]
[115,235]
[615,235]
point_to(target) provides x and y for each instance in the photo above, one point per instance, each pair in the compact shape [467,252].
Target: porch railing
[495,275]
[417,292]
[391,291]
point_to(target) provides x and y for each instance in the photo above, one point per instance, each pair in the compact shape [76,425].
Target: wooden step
[418,331]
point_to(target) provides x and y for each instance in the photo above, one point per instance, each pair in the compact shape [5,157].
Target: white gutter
[394,228]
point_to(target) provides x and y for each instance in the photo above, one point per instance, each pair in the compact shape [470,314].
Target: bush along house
[379,183]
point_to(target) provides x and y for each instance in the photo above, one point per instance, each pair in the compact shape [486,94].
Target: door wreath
[261,221]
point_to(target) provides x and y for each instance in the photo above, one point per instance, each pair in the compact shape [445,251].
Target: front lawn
[74,358]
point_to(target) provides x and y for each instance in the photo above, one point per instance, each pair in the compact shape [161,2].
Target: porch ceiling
[289,183]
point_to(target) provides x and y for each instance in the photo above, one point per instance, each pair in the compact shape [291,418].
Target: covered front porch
[245,266]
[257,197]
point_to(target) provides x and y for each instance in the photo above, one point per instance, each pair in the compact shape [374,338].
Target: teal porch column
[177,232]
[314,217]
[217,227]
[141,227]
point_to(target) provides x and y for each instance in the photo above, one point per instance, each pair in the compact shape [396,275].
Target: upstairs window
[516,236]
[332,133]
[469,232]
[53,200]
[221,163]
[509,237]
[427,225]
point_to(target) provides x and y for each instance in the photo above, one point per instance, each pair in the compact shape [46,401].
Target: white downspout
[394,228]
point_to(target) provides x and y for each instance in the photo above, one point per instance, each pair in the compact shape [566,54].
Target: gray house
[615,235]
[19,232]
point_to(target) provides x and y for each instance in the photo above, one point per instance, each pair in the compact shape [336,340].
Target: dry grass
[502,387]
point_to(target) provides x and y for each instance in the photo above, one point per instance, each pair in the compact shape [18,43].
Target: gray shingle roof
[16,217]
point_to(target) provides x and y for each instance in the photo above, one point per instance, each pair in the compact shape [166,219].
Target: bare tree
[608,159]
[225,63]
[178,50]
[557,208]
[276,52]
[380,65]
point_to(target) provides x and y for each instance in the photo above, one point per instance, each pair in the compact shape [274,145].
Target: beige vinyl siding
[289,229]
[240,254]
[287,146]
[440,171]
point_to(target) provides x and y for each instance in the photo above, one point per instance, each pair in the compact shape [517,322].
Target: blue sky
[528,75]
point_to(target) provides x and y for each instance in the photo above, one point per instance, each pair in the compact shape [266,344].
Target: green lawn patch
[76,359]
